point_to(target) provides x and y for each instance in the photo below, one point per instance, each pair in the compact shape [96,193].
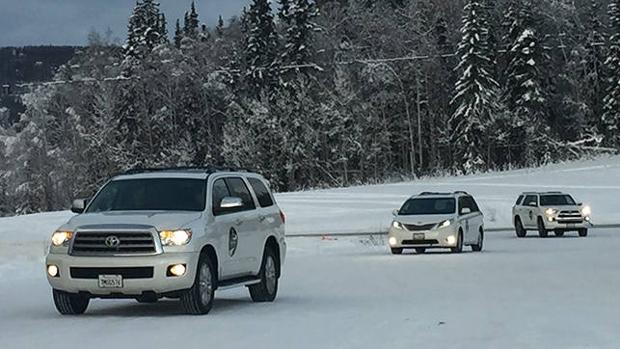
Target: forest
[323,94]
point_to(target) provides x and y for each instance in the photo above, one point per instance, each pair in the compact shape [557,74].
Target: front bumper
[439,238]
[159,283]
[555,225]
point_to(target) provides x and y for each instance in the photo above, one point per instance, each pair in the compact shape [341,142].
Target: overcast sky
[68,22]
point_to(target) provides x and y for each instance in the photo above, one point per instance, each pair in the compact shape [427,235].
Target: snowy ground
[350,293]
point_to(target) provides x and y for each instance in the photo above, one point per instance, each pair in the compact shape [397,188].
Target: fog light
[451,240]
[177,270]
[392,241]
[52,270]
[550,219]
[587,218]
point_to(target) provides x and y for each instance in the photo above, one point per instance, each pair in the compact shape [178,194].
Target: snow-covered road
[350,293]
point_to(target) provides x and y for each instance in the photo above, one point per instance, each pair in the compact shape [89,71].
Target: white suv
[437,220]
[177,233]
[550,211]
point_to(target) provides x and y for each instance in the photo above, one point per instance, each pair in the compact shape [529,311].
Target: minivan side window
[238,189]
[219,192]
[472,204]
[262,193]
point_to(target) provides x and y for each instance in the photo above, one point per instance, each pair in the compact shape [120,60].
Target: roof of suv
[543,193]
[439,195]
[179,172]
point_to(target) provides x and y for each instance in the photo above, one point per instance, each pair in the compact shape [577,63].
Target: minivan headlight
[178,237]
[397,225]
[60,238]
[444,224]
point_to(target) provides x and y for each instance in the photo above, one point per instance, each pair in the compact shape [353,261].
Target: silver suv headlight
[177,237]
[551,212]
[586,211]
[61,238]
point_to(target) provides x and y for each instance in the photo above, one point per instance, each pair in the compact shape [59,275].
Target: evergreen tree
[297,17]
[178,34]
[261,48]
[192,29]
[476,97]
[163,28]
[219,29]
[145,30]
[611,116]
[284,13]
[593,66]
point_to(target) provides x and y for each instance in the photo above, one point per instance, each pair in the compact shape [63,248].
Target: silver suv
[550,211]
[177,233]
[437,220]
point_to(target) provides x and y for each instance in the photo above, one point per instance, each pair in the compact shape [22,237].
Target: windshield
[428,206]
[153,194]
[556,200]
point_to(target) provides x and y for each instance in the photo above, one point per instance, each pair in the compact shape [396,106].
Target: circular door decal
[233,240]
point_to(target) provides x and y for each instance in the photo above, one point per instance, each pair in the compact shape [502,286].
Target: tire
[70,303]
[583,232]
[396,250]
[267,289]
[198,300]
[521,232]
[420,250]
[459,244]
[559,233]
[542,232]
[480,244]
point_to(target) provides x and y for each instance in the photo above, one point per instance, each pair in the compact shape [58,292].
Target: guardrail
[489,230]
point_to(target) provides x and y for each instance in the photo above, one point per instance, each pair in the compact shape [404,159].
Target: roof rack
[425,193]
[461,192]
[200,169]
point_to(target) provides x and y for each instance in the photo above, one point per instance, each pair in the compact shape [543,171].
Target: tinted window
[220,191]
[471,203]
[262,193]
[238,189]
[556,200]
[519,199]
[428,206]
[152,194]
[530,198]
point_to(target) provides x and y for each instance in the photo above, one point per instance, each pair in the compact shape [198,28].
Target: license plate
[110,281]
[418,236]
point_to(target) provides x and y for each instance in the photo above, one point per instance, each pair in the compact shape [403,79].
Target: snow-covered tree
[297,17]
[145,30]
[261,48]
[192,25]
[611,116]
[476,97]
[178,34]
[219,29]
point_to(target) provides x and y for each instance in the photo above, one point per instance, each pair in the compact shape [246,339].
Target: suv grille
[126,273]
[413,227]
[570,216]
[112,243]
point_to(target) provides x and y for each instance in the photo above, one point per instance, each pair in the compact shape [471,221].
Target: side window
[462,204]
[238,189]
[529,199]
[472,204]
[262,193]
[519,200]
[219,192]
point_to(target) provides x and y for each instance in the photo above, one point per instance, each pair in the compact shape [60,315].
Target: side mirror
[465,210]
[580,204]
[532,203]
[395,212]
[78,206]
[231,202]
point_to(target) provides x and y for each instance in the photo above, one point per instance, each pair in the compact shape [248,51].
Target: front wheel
[70,303]
[479,245]
[459,244]
[267,289]
[583,232]
[521,232]
[542,231]
[198,300]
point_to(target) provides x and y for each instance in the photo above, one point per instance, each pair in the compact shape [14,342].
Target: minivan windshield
[556,200]
[152,194]
[428,206]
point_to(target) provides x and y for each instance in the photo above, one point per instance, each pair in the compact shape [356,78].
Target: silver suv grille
[570,216]
[112,243]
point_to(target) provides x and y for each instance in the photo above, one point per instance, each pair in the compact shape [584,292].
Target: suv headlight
[551,212]
[397,225]
[444,224]
[60,238]
[175,237]
[586,211]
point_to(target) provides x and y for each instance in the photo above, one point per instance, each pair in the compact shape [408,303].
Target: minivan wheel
[521,232]
[459,244]
[70,303]
[542,232]
[583,232]
[267,289]
[396,250]
[480,244]
[198,300]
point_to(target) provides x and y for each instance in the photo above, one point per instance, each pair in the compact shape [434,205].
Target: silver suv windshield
[556,200]
[152,194]
[428,206]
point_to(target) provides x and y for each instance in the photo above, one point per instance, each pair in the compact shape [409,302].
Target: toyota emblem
[112,241]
